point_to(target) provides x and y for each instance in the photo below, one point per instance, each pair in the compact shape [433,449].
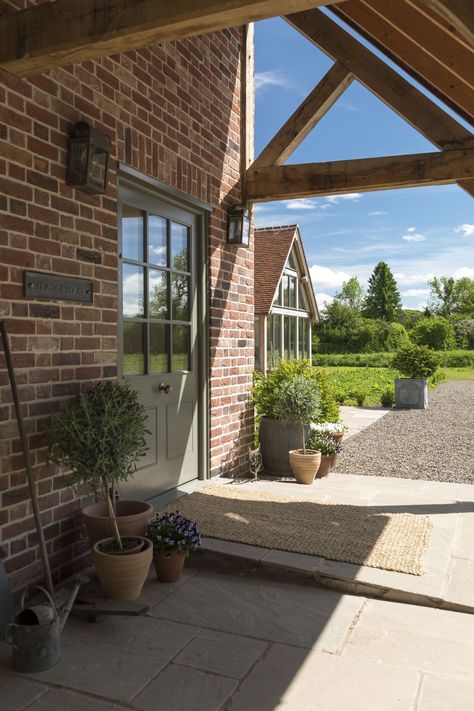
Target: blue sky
[420,233]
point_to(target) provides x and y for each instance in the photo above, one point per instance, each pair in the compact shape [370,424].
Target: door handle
[164,388]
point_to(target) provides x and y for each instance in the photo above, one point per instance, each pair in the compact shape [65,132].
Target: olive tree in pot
[417,364]
[277,437]
[299,402]
[99,437]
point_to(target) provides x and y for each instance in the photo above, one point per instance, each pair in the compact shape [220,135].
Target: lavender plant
[325,445]
[171,533]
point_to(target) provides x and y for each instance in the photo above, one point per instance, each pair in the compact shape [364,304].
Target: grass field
[366,386]
[459,373]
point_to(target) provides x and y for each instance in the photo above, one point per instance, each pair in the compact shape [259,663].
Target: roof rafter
[405,99]
[434,57]
[306,116]
[458,13]
[53,34]
[286,182]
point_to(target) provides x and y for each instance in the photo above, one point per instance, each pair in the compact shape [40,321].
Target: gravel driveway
[435,444]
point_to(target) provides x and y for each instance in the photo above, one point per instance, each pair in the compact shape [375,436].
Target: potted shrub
[334,430]
[277,437]
[174,538]
[329,449]
[100,436]
[417,364]
[299,402]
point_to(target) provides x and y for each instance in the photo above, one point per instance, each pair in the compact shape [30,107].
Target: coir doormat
[352,534]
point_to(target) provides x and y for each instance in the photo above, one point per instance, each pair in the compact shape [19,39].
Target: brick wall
[180,105]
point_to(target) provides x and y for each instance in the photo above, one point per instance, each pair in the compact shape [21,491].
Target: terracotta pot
[122,576]
[132,519]
[169,570]
[325,466]
[336,436]
[304,466]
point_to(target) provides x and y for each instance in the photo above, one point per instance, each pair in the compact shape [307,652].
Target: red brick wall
[182,104]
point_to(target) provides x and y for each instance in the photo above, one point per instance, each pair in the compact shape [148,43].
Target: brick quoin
[173,113]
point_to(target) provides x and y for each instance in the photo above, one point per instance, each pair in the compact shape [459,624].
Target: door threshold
[178,492]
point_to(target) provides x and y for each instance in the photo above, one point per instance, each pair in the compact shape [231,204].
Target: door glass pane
[133,350]
[158,294]
[158,348]
[180,297]
[181,357]
[132,234]
[157,244]
[179,247]
[132,290]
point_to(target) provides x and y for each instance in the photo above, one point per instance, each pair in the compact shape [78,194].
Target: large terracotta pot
[123,575]
[304,466]
[277,438]
[132,519]
[169,570]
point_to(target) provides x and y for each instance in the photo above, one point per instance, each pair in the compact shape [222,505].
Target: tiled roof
[272,246]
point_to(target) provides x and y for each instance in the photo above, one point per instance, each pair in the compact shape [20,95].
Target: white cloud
[408,279]
[377,213]
[415,292]
[323,300]
[334,199]
[299,205]
[413,237]
[327,278]
[272,77]
[467,230]
[411,229]
[464,272]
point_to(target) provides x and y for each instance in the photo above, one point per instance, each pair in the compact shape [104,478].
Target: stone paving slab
[239,644]
[357,419]
[448,561]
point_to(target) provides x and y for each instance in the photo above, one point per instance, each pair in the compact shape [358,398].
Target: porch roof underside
[431,40]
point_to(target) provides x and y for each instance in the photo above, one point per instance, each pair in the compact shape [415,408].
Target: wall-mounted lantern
[238,227]
[88,159]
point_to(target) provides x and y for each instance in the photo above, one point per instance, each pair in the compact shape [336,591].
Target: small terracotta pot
[123,575]
[336,436]
[325,466]
[132,519]
[304,466]
[169,570]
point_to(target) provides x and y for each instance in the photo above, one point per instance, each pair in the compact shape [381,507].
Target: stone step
[252,561]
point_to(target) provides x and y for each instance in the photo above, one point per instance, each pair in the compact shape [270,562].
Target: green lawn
[459,373]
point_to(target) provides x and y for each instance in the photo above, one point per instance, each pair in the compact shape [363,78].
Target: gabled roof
[272,248]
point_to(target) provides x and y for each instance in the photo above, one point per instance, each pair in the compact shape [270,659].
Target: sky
[419,232]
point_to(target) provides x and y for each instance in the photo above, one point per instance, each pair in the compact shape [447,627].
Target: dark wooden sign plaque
[38,285]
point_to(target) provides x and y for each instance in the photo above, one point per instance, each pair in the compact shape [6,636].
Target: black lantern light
[238,228]
[88,159]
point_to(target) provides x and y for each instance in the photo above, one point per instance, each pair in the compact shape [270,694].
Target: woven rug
[352,534]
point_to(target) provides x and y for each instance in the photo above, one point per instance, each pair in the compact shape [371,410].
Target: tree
[436,332]
[351,294]
[383,298]
[452,296]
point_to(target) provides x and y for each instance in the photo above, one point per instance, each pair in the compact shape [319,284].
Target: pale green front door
[158,335]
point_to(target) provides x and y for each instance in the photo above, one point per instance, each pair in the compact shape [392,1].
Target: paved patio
[448,579]
[220,643]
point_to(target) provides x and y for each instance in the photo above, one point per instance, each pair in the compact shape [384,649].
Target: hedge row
[449,359]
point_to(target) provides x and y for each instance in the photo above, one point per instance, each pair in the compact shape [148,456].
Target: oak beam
[287,182]
[52,34]
[383,81]
[306,116]
[457,12]
[435,59]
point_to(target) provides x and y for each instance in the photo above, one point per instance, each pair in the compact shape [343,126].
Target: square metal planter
[411,393]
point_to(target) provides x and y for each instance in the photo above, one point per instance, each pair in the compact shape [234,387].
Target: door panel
[158,336]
